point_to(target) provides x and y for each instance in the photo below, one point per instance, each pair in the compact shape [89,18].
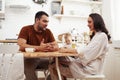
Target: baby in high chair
[66,38]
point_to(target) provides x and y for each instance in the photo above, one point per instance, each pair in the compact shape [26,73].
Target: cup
[73,45]
[29,49]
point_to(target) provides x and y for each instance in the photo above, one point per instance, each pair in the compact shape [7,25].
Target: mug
[29,49]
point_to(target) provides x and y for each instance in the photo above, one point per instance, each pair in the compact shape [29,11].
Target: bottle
[73,42]
[62,9]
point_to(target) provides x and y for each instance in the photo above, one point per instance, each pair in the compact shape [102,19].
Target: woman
[91,58]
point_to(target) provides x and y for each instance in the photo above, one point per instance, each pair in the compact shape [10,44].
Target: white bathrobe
[93,59]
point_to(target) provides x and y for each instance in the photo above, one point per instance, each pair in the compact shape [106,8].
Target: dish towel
[12,67]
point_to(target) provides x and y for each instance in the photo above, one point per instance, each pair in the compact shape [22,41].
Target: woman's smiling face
[90,24]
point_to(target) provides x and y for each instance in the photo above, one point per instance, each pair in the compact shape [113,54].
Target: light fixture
[40,2]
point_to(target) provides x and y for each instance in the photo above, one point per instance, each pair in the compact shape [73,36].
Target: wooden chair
[45,71]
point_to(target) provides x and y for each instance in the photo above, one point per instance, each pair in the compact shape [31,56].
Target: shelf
[59,16]
[84,2]
[94,6]
[19,6]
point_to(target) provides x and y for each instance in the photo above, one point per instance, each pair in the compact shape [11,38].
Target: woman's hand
[67,50]
[62,50]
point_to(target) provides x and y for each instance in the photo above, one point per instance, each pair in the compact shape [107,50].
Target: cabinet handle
[118,48]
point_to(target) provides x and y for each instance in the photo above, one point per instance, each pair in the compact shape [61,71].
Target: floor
[42,77]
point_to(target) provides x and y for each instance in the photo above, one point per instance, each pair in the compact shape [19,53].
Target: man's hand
[47,46]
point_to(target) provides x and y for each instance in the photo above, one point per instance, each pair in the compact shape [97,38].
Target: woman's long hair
[99,24]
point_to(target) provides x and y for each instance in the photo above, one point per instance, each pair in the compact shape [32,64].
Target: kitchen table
[49,54]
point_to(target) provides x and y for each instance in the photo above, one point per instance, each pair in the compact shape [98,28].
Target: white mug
[29,49]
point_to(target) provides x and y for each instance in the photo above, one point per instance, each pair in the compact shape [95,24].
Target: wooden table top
[46,54]
[15,41]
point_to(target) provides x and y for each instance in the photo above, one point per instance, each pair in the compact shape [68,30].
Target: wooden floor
[41,76]
[41,79]
[44,79]
[67,79]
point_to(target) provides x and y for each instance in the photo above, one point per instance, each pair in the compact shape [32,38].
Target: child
[66,38]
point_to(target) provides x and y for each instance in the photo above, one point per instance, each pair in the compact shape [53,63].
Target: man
[39,37]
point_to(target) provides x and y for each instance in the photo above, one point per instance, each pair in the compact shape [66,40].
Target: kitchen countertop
[8,41]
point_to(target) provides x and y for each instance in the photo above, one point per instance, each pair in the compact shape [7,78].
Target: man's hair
[40,13]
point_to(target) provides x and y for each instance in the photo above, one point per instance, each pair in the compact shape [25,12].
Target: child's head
[68,38]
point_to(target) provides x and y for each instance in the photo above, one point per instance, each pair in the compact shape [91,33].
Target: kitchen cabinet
[116,64]
[109,64]
[116,58]
[2,9]
[79,8]
[112,62]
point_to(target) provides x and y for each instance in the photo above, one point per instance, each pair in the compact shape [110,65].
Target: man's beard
[40,28]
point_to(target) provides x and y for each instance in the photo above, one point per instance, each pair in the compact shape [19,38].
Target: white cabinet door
[112,64]
[116,64]
[108,65]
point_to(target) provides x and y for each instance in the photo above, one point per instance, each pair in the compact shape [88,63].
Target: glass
[73,45]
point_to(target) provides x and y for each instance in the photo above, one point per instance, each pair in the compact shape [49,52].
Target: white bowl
[29,49]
